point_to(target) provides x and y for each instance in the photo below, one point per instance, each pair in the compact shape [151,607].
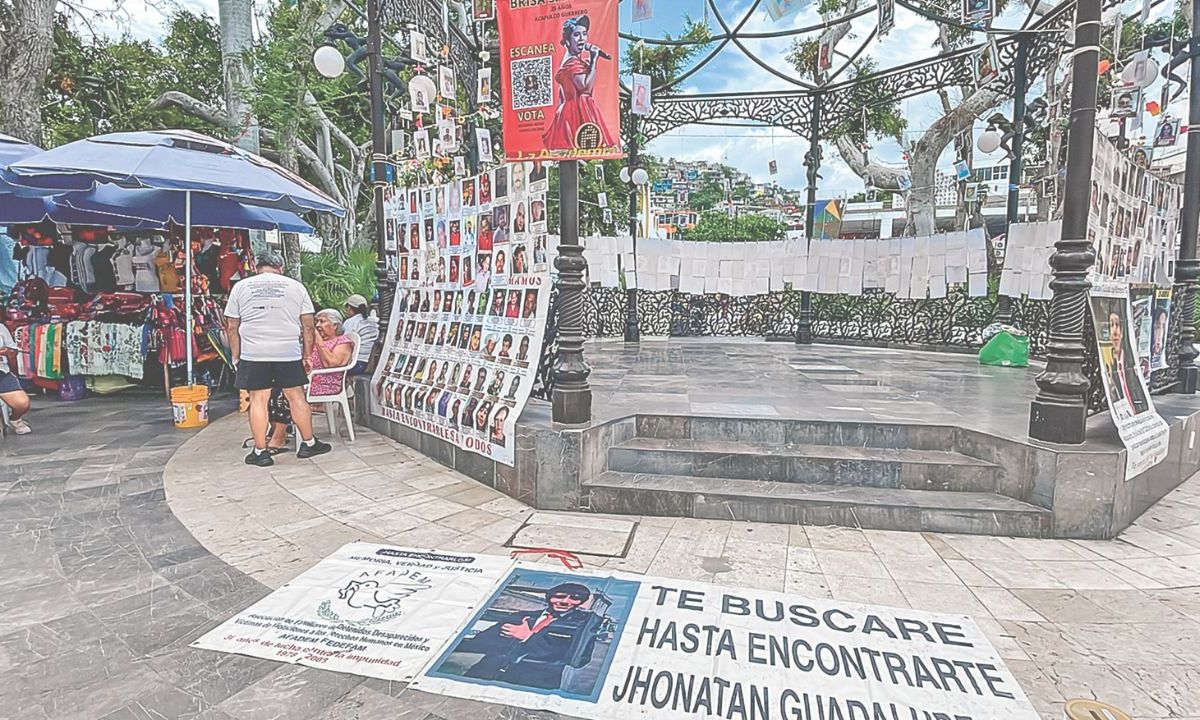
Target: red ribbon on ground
[569,559]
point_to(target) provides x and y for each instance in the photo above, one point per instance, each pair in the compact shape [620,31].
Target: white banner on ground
[611,646]
[1144,433]
[371,610]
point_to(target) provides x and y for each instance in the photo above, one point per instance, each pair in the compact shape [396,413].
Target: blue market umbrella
[164,206]
[176,160]
[179,160]
[27,208]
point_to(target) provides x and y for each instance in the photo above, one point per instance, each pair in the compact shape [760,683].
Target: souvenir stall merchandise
[467,327]
[117,299]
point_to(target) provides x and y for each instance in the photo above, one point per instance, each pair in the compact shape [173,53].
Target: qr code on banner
[532,82]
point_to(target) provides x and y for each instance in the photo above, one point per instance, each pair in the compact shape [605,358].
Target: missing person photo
[1122,378]
[542,631]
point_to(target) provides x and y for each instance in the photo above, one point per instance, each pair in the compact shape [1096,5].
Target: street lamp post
[636,178]
[330,63]
[1015,168]
[1058,413]
[1187,269]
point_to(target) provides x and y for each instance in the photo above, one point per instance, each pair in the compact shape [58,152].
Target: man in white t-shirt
[11,392]
[269,319]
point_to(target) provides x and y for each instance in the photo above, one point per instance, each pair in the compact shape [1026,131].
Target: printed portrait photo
[546,632]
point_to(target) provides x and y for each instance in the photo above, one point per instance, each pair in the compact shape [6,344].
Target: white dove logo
[382,601]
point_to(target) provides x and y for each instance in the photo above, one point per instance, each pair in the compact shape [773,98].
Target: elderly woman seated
[332,349]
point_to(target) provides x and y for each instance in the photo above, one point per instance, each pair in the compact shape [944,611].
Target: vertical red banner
[558,66]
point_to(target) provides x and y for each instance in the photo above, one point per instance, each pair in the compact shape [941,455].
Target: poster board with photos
[1143,432]
[469,317]
[1133,220]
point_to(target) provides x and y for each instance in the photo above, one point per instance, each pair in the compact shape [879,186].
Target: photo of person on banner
[577,121]
[1120,365]
[541,631]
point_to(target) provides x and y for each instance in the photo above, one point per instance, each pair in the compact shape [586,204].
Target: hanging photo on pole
[421,92]
[602,199]
[773,167]
[977,12]
[446,83]
[904,182]
[483,87]
[607,215]
[825,51]
[778,9]
[483,9]
[483,140]
[558,71]
[416,46]
[460,166]
[1127,101]
[887,16]
[598,171]
[641,95]
[986,64]
[643,10]
[1167,132]
[421,143]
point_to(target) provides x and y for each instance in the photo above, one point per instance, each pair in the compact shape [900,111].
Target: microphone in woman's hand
[597,51]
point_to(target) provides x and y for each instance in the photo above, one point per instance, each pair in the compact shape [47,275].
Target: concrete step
[806,463]
[801,432]
[808,504]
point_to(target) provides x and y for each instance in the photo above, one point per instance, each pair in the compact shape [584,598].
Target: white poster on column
[468,322]
[1143,431]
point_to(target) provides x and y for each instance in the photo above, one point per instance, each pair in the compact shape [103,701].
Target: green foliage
[1132,33]
[664,63]
[706,196]
[330,280]
[719,227]
[102,84]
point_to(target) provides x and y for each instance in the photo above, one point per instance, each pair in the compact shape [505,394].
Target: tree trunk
[237,42]
[25,47]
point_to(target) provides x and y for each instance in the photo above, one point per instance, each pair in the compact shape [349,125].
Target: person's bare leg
[301,413]
[259,417]
[17,402]
[278,435]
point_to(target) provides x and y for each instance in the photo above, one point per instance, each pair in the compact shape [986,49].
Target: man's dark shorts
[265,375]
[9,383]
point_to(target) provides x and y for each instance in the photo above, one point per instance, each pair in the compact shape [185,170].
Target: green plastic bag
[1005,350]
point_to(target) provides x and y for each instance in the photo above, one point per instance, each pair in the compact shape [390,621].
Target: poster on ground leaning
[558,68]
[366,609]
[611,646]
[1144,433]
[469,317]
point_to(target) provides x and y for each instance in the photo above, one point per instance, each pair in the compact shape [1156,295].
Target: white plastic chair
[342,398]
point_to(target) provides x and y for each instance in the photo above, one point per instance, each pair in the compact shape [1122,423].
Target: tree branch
[878,176]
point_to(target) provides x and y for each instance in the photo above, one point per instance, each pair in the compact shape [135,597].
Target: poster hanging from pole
[609,646]
[559,74]
[469,318]
[1144,433]
[366,609]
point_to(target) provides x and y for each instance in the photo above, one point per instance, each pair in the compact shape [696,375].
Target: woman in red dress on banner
[576,81]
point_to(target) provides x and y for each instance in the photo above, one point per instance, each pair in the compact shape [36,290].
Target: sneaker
[260,459]
[20,427]
[317,448]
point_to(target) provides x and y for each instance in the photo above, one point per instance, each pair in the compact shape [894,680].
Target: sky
[749,149]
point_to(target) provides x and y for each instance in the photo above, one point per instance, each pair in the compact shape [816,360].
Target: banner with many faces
[469,317]
[1132,220]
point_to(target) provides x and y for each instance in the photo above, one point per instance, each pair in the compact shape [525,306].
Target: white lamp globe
[1129,76]
[988,142]
[329,61]
[624,175]
[640,176]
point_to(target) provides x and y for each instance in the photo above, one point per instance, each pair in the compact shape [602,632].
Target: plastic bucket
[190,406]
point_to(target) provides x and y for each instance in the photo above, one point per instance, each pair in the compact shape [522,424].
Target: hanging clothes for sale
[168,276]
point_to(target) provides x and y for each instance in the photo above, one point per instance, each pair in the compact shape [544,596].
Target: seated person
[11,392]
[332,349]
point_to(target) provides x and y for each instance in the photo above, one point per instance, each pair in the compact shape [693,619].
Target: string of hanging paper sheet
[911,267]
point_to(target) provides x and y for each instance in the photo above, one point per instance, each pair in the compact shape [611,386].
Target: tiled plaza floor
[121,546]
